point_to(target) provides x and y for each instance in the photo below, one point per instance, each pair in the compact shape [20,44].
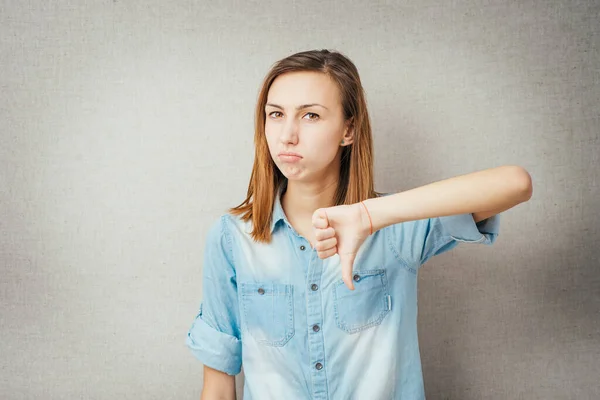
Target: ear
[348,137]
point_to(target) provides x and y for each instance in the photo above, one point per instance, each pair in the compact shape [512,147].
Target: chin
[299,176]
[291,173]
[294,177]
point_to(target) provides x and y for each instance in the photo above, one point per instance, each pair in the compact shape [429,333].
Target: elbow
[523,183]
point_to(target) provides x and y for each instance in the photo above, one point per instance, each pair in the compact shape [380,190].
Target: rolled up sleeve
[464,229]
[445,233]
[415,242]
[214,348]
[214,337]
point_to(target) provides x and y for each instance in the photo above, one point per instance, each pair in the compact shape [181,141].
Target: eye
[275,114]
[312,116]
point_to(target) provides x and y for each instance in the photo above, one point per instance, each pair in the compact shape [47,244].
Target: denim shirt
[299,332]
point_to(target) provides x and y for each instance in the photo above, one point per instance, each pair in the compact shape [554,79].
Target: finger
[347,261]
[322,234]
[319,219]
[323,245]
[327,253]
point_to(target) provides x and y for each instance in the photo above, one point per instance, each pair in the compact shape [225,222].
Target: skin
[217,385]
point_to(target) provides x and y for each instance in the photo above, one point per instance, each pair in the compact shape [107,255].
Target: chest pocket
[366,305]
[268,312]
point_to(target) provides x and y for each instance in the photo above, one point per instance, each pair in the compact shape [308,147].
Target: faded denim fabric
[300,333]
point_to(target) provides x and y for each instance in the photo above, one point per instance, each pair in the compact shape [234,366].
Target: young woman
[311,283]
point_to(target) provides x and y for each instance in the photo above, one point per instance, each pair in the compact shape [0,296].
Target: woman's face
[304,126]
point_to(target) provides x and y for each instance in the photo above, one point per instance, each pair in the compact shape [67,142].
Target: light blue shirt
[286,315]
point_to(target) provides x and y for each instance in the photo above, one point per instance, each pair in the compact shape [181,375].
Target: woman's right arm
[215,334]
[217,385]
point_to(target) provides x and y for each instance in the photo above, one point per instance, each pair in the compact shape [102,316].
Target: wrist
[366,220]
[376,212]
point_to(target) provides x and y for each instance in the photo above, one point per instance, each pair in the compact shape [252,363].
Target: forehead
[297,88]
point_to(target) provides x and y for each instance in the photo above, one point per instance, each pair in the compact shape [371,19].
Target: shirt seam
[227,234]
[225,219]
[439,241]
[398,257]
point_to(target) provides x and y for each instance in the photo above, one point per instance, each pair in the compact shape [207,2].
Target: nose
[289,132]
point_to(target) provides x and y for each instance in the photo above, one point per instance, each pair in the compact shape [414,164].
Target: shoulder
[229,231]
[226,223]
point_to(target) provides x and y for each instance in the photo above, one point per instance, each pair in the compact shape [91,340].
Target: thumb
[347,261]
[319,219]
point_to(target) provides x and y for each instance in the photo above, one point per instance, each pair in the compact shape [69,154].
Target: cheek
[328,137]
[325,144]
[270,136]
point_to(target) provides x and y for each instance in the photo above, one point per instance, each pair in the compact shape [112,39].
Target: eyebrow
[299,107]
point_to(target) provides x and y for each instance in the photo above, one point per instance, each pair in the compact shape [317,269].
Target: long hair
[355,182]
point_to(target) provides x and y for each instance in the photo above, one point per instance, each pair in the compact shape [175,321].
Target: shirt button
[316,328]
[356,278]
[302,248]
[314,287]
[319,366]
[261,291]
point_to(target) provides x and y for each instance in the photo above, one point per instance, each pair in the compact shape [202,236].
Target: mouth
[289,156]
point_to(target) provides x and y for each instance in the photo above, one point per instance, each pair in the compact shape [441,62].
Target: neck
[301,200]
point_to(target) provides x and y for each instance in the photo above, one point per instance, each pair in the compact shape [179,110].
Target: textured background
[126,129]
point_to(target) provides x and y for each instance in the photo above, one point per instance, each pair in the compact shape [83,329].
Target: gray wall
[126,128]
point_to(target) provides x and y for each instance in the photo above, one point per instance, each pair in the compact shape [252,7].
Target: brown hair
[356,170]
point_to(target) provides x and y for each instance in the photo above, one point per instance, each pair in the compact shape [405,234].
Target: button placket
[316,344]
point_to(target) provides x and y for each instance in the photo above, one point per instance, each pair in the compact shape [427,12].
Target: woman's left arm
[483,194]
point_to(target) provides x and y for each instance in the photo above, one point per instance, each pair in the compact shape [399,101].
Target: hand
[341,230]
